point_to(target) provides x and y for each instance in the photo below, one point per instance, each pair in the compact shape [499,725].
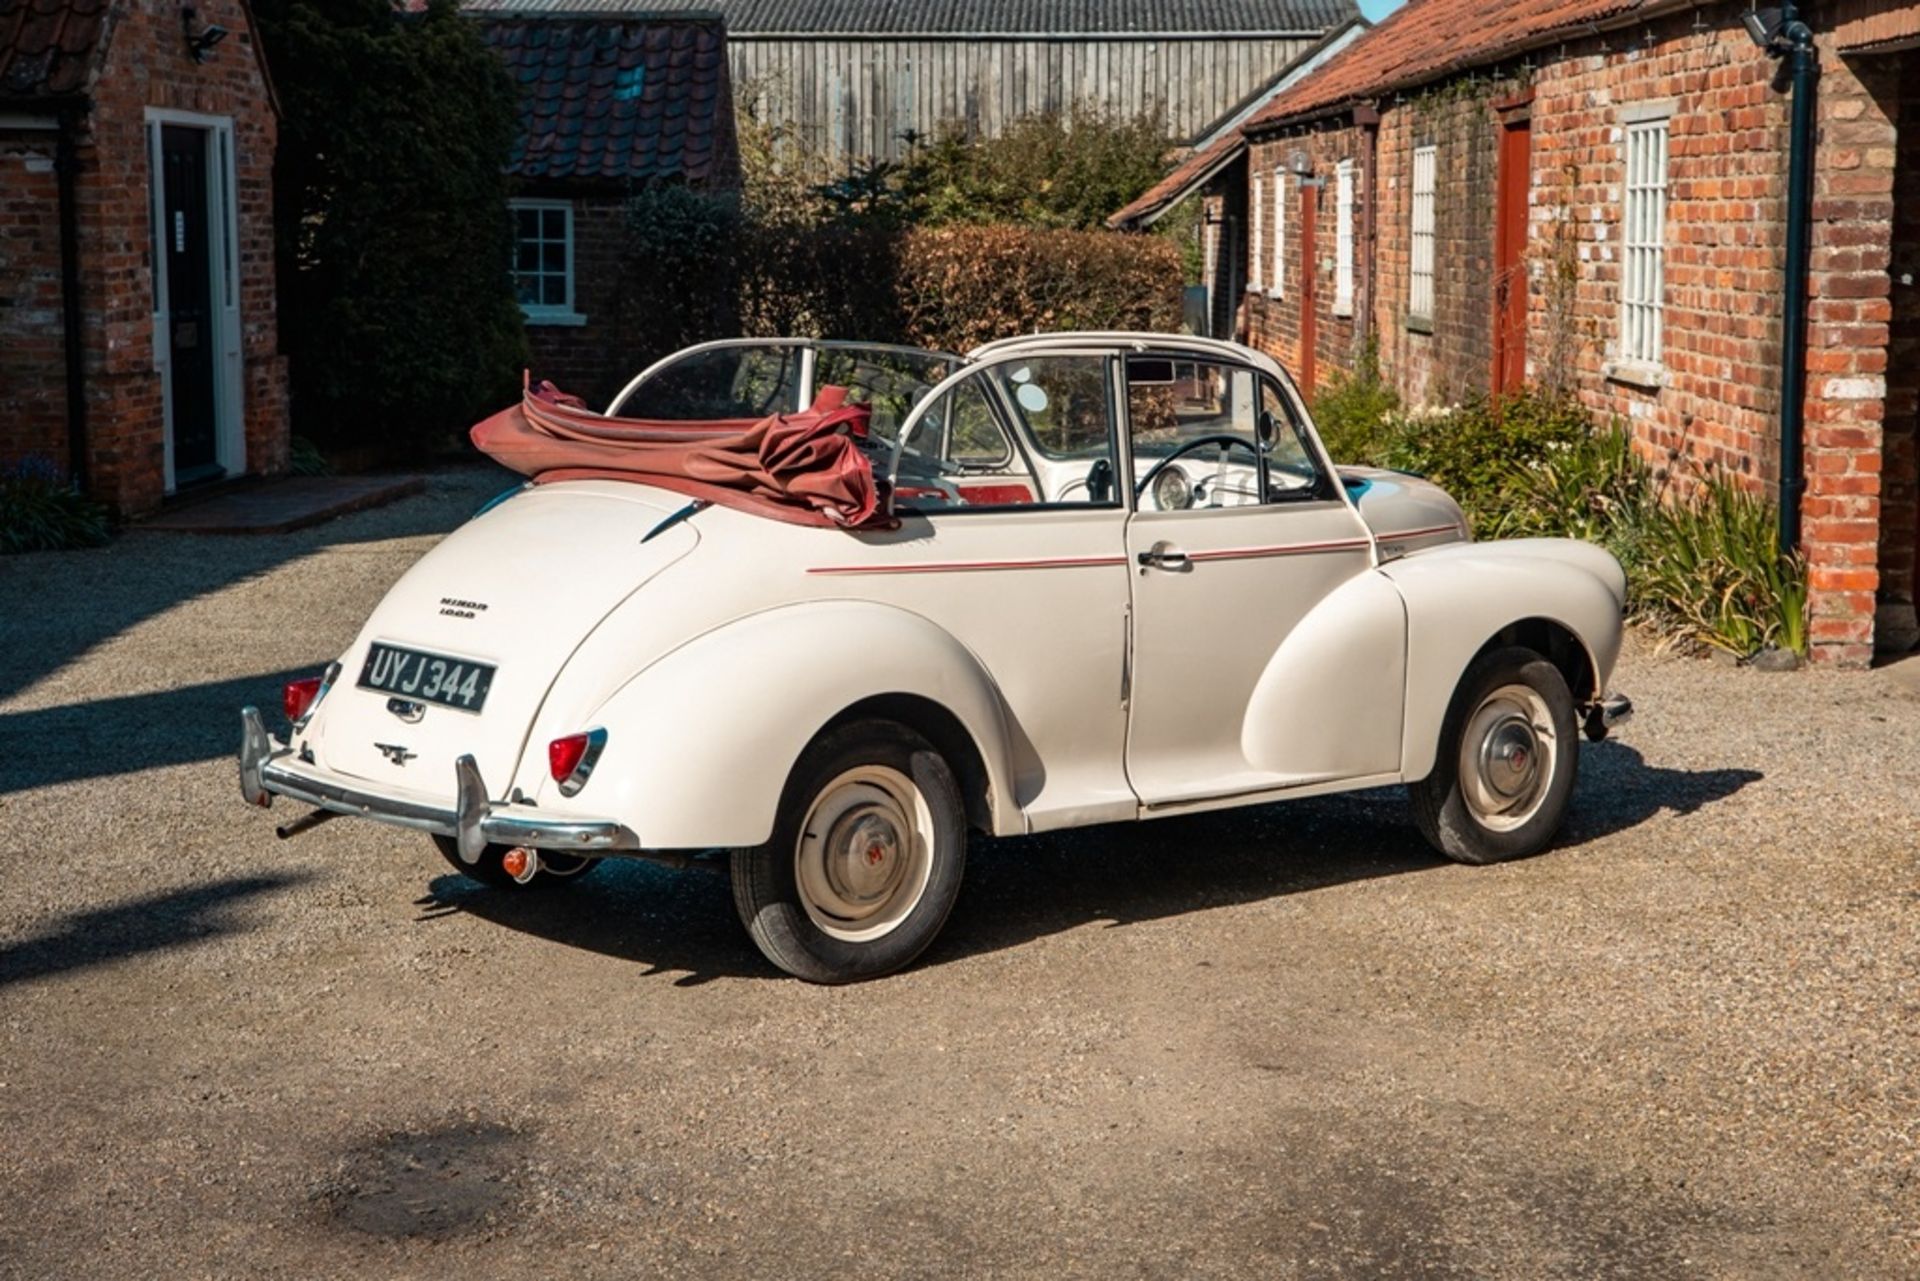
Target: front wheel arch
[1555,642]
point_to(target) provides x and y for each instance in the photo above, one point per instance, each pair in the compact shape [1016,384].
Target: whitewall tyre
[1509,751]
[865,860]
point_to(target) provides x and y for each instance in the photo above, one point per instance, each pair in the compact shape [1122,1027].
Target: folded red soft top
[806,468]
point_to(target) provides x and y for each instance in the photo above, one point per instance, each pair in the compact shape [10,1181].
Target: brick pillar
[1848,316]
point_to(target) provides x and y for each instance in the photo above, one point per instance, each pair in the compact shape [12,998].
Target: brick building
[138,350]
[1594,194]
[609,105]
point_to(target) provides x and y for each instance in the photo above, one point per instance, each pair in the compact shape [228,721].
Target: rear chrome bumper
[267,771]
[1607,715]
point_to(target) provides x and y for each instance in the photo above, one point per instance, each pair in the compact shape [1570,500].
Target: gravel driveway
[1286,1042]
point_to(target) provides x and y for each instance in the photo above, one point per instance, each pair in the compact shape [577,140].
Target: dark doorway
[1509,247]
[187,226]
[1896,622]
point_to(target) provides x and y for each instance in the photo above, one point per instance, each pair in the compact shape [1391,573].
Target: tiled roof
[47,47]
[971,17]
[1429,39]
[1199,165]
[632,99]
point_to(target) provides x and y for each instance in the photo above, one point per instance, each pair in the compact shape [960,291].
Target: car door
[1005,544]
[1238,531]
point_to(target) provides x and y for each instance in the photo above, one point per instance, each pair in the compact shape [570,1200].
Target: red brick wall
[33,397]
[588,359]
[147,66]
[1455,358]
[1273,324]
[1718,405]
[1715,404]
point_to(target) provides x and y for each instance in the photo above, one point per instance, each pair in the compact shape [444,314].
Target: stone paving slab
[277,506]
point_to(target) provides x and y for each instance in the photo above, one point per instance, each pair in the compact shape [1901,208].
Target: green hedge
[699,266]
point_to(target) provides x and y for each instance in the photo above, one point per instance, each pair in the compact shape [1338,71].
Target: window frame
[1645,142]
[547,313]
[1421,237]
[1343,239]
[1027,449]
[1322,489]
[1278,288]
[1256,248]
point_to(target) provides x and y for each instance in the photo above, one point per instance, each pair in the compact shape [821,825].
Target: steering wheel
[1198,442]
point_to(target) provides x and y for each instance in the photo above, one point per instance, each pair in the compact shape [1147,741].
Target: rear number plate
[427,678]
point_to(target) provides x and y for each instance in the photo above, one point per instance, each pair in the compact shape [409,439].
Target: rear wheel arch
[941,728]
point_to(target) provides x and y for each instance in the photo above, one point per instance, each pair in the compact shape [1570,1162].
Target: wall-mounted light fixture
[200,40]
[1300,162]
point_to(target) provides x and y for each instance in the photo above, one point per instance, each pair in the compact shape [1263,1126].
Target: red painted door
[1509,247]
[1309,325]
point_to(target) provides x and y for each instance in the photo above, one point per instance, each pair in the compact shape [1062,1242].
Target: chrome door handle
[1163,556]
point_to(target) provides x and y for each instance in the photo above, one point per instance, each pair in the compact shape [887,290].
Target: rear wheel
[555,866]
[1504,774]
[865,859]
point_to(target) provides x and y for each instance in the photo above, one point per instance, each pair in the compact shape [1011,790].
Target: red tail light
[570,760]
[297,698]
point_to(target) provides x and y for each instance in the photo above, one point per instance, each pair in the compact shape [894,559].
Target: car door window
[1212,434]
[959,455]
[1063,414]
[892,382]
[1293,472]
[720,382]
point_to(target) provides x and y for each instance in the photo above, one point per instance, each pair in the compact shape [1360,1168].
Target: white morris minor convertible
[831,606]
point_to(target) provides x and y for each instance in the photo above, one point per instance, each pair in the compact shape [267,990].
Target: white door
[1223,561]
[1011,541]
[196,295]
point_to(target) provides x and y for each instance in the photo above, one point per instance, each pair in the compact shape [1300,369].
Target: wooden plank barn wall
[860,98]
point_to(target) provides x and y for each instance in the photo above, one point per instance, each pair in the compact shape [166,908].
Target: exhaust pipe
[305,823]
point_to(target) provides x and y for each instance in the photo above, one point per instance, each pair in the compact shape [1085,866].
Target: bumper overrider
[268,770]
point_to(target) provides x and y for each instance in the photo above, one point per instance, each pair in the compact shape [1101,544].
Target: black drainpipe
[65,162]
[1795,45]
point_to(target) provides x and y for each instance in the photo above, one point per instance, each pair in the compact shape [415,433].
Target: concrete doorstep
[279,506]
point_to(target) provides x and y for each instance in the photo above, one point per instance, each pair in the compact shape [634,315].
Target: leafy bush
[961,286]
[1356,412]
[1043,170]
[41,512]
[700,266]
[1704,568]
[306,459]
[1471,450]
[391,225]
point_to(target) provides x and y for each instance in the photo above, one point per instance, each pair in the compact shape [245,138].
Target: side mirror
[1267,427]
[1100,481]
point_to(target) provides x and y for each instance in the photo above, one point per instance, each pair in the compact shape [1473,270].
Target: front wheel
[1504,774]
[865,859]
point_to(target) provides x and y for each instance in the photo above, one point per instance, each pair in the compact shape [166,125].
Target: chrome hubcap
[1507,757]
[864,854]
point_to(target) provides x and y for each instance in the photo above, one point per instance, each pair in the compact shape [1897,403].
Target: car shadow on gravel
[152,923]
[108,736]
[59,605]
[1023,888]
